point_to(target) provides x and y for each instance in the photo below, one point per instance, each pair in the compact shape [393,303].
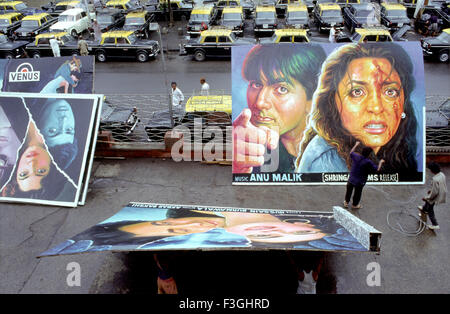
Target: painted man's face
[9,142]
[370,100]
[58,123]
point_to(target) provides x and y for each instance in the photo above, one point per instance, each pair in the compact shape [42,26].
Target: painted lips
[375,127]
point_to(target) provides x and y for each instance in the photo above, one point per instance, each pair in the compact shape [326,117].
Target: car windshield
[132,38]
[30,23]
[265,15]
[3,39]
[331,13]
[66,18]
[61,8]
[297,15]
[134,21]
[104,19]
[444,37]
[396,13]
[21,6]
[231,16]
[199,17]
[4,22]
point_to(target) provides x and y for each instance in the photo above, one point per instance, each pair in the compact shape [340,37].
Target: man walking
[361,167]
[205,87]
[83,46]
[55,46]
[177,95]
[437,194]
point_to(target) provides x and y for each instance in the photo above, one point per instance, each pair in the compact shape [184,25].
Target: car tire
[199,55]
[36,55]
[443,56]
[101,56]
[9,56]
[142,56]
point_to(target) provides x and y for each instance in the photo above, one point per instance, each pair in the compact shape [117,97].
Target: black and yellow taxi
[32,25]
[393,16]
[371,34]
[233,18]
[17,6]
[345,3]
[139,23]
[40,46]
[437,47]
[124,5]
[11,49]
[123,44]
[297,16]
[287,35]
[202,18]
[109,19]
[9,22]
[216,42]
[265,20]
[328,15]
[281,6]
[247,5]
[180,8]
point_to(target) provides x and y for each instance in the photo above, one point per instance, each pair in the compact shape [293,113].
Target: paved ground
[408,264]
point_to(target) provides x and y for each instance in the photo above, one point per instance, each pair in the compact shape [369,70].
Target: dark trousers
[429,209]
[356,196]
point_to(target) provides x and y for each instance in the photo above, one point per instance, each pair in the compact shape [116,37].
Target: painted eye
[69,130]
[392,93]
[282,90]
[255,85]
[52,131]
[357,92]
[41,171]
[23,174]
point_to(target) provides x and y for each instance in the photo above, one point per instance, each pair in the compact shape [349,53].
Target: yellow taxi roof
[447,30]
[291,31]
[116,2]
[297,7]
[393,6]
[372,31]
[216,32]
[265,9]
[201,10]
[228,1]
[68,2]
[136,14]
[117,34]
[211,103]
[232,10]
[9,15]
[329,6]
[48,35]
[35,16]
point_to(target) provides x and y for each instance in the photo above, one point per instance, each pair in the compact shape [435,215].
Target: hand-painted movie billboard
[148,226]
[298,109]
[44,146]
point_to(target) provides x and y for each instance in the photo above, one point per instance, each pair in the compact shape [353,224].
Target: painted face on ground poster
[144,226]
[44,146]
[299,109]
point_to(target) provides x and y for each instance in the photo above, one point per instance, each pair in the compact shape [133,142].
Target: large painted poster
[65,75]
[44,146]
[298,109]
[148,226]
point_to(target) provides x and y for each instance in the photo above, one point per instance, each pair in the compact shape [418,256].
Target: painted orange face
[370,100]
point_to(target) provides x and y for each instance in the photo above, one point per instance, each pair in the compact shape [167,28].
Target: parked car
[9,22]
[287,35]
[123,44]
[346,3]
[360,15]
[139,23]
[73,21]
[369,34]
[124,5]
[281,6]
[247,5]
[17,6]
[297,16]
[393,16]
[202,18]
[11,49]
[120,121]
[180,8]
[32,25]
[310,4]
[213,42]
[437,47]
[423,16]
[233,18]
[110,19]
[55,9]
[266,20]
[327,15]
[40,46]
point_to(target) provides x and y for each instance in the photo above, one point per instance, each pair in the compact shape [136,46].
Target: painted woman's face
[9,142]
[277,232]
[370,100]
[174,226]
[281,106]
[34,165]
[58,123]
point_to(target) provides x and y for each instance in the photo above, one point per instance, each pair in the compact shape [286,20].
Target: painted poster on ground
[63,75]
[299,109]
[44,146]
[148,226]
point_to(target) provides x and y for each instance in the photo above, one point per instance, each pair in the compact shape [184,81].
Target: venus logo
[24,73]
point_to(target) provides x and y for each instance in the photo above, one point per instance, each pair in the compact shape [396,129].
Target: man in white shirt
[55,46]
[177,95]
[205,87]
[332,37]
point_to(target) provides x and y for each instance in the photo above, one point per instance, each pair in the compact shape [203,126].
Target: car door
[124,48]
[210,45]
[224,46]
[109,45]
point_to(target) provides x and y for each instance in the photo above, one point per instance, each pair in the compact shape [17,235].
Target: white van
[73,21]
